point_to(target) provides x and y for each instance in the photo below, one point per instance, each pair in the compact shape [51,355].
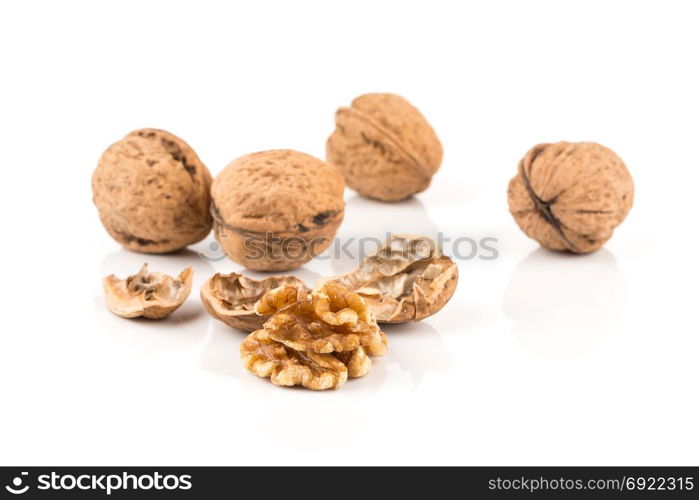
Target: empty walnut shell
[152,192]
[408,279]
[570,196]
[152,295]
[276,210]
[231,298]
[384,147]
[268,358]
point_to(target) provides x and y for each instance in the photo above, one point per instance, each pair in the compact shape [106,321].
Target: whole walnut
[276,210]
[152,192]
[384,147]
[570,196]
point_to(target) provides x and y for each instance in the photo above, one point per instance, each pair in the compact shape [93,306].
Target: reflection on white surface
[180,331]
[418,349]
[221,352]
[564,304]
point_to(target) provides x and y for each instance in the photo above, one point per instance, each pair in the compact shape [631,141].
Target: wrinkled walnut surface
[152,192]
[406,279]
[231,298]
[384,147]
[285,366]
[358,363]
[570,196]
[281,297]
[334,320]
[152,295]
[264,197]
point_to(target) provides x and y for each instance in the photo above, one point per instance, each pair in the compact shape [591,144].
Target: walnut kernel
[334,320]
[266,357]
[358,363]
[315,340]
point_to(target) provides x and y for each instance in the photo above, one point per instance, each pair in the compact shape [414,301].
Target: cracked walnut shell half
[231,298]
[334,320]
[276,210]
[384,147]
[152,192]
[151,295]
[408,279]
[570,196]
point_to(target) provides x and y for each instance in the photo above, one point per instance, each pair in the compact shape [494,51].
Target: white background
[540,358]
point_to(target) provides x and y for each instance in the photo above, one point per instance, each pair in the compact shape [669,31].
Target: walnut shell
[152,192]
[408,279]
[570,196]
[276,210]
[384,147]
[151,295]
[231,298]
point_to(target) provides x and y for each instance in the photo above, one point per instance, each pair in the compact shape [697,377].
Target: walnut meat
[266,357]
[152,192]
[334,320]
[384,147]
[152,295]
[358,363]
[276,210]
[231,298]
[570,196]
[315,340]
[279,298]
[407,279]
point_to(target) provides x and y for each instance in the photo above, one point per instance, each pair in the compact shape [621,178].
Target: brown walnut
[358,363]
[570,196]
[152,192]
[316,340]
[276,210]
[285,366]
[406,279]
[231,298]
[384,147]
[152,295]
[333,320]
